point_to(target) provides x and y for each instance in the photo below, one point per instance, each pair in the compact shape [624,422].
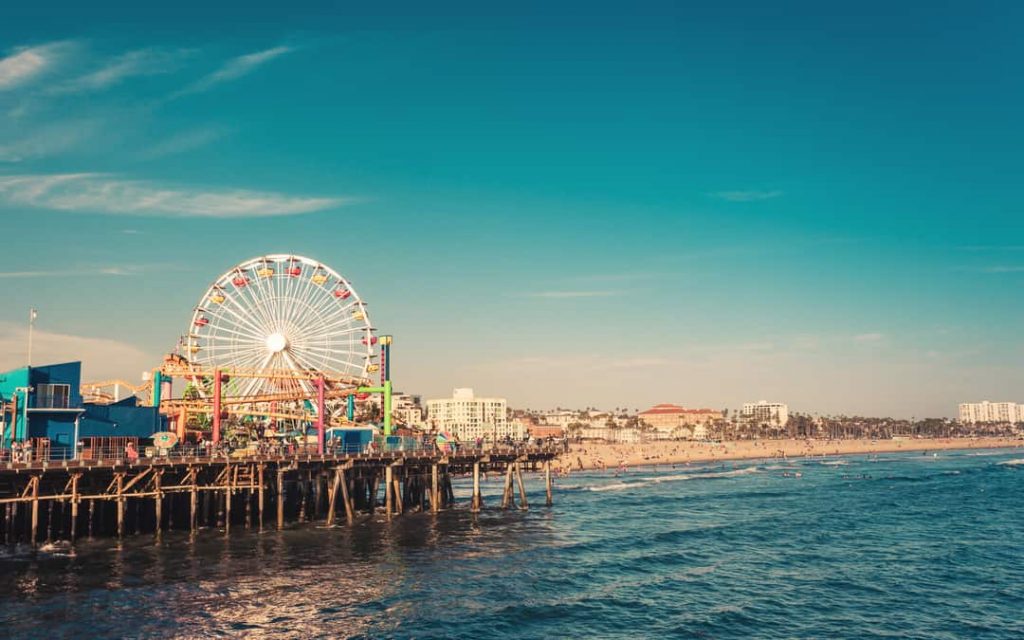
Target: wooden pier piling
[477,502]
[547,483]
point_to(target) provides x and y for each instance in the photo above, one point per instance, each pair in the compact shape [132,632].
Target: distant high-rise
[971,412]
[764,412]
[469,417]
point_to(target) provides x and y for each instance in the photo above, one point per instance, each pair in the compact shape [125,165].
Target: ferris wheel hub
[276,343]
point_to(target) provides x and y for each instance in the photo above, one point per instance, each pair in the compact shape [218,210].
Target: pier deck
[63,499]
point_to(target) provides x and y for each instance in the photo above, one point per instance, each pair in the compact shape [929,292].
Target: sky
[565,204]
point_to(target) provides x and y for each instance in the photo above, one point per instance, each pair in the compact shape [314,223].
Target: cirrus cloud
[99,193]
[25,63]
[234,69]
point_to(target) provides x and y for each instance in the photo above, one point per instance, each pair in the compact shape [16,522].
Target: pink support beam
[320,415]
[216,406]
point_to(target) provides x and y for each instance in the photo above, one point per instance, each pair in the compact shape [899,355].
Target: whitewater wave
[619,486]
[833,463]
[1017,462]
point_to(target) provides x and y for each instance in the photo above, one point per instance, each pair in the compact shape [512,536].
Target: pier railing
[209,452]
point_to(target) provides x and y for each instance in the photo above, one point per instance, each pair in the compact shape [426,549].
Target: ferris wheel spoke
[290,285]
[327,302]
[231,323]
[242,360]
[340,337]
[304,289]
[326,356]
[219,330]
[238,315]
[248,294]
[255,382]
[267,303]
[303,383]
[345,320]
[266,295]
[329,351]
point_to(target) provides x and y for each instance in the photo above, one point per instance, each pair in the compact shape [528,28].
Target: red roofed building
[669,417]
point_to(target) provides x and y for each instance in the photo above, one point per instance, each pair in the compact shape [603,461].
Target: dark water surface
[903,545]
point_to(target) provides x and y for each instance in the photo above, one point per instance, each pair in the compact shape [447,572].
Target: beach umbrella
[165,439]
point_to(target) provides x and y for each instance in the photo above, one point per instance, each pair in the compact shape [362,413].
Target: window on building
[53,396]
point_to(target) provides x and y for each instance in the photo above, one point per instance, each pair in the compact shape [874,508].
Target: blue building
[45,402]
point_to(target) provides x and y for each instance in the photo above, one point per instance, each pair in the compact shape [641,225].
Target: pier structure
[68,499]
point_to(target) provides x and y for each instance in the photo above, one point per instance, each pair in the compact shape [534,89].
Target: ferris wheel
[281,314]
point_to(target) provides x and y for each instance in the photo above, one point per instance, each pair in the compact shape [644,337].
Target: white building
[609,434]
[971,412]
[408,409]
[468,417]
[764,412]
[559,418]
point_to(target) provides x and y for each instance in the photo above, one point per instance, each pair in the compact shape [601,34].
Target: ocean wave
[1016,462]
[833,463]
[619,486]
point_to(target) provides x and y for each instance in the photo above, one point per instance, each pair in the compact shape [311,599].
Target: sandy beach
[593,455]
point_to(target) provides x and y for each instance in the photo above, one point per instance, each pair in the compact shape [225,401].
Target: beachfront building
[468,417]
[674,421]
[408,410]
[1003,412]
[765,413]
[609,434]
[45,404]
[558,418]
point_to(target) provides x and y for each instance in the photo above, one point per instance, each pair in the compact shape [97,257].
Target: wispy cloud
[183,141]
[142,62]
[51,139]
[234,69]
[64,273]
[746,196]
[25,63]
[99,193]
[570,294]
[868,337]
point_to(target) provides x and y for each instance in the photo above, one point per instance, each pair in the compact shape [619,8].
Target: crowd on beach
[591,455]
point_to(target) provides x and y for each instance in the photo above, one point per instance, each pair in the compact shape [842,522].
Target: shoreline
[591,456]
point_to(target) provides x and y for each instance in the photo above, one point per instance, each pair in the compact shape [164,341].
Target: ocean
[902,545]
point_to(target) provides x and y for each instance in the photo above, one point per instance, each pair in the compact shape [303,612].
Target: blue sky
[565,205]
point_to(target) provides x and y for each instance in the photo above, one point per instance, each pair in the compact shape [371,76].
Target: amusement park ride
[280,341]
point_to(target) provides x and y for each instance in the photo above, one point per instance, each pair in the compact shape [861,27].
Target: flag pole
[31,324]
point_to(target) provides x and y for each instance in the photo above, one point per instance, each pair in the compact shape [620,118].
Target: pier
[45,501]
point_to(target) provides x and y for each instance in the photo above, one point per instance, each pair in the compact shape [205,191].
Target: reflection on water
[737,550]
